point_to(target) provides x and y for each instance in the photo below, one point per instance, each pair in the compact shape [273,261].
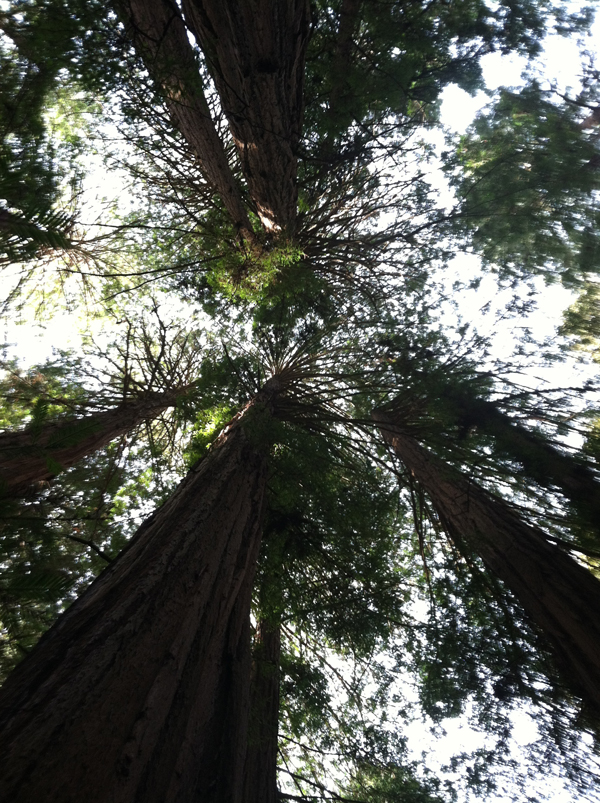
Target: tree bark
[140,692]
[260,775]
[558,594]
[159,34]
[37,455]
[256,51]
[591,120]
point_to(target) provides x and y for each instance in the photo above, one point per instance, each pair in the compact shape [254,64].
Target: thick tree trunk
[159,34]
[541,461]
[260,775]
[560,595]
[140,692]
[256,51]
[38,455]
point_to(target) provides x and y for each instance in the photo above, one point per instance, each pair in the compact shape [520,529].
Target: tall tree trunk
[260,775]
[159,34]
[541,461]
[349,21]
[37,454]
[559,595]
[256,51]
[140,692]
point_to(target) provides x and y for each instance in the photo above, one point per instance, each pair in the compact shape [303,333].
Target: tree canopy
[280,505]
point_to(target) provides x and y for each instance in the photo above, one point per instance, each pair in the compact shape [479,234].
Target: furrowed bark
[37,455]
[159,34]
[558,594]
[140,692]
[256,51]
[260,775]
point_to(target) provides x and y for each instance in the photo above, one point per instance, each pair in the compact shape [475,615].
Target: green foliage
[526,176]
[582,320]
[207,427]
[249,278]
[354,567]
[329,537]
[40,393]
[400,57]
[47,54]
[304,695]
[392,784]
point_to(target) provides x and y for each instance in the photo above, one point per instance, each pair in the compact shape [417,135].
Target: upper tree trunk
[349,20]
[36,455]
[541,461]
[559,595]
[160,36]
[256,51]
[260,775]
[140,692]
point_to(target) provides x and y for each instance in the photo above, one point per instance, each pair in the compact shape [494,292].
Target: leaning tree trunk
[341,87]
[559,595]
[140,692]
[260,774]
[541,461]
[256,52]
[36,455]
[159,34]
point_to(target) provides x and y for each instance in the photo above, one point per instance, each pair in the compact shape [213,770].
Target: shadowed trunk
[542,462]
[256,52]
[349,20]
[160,37]
[260,775]
[560,595]
[36,455]
[140,692]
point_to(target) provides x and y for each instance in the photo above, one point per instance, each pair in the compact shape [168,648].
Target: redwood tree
[260,772]
[38,453]
[268,138]
[556,591]
[141,690]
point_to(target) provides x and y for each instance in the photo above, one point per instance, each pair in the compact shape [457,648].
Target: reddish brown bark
[256,51]
[140,692]
[260,775]
[36,456]
[559,595]
[159,34]
[591,120]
